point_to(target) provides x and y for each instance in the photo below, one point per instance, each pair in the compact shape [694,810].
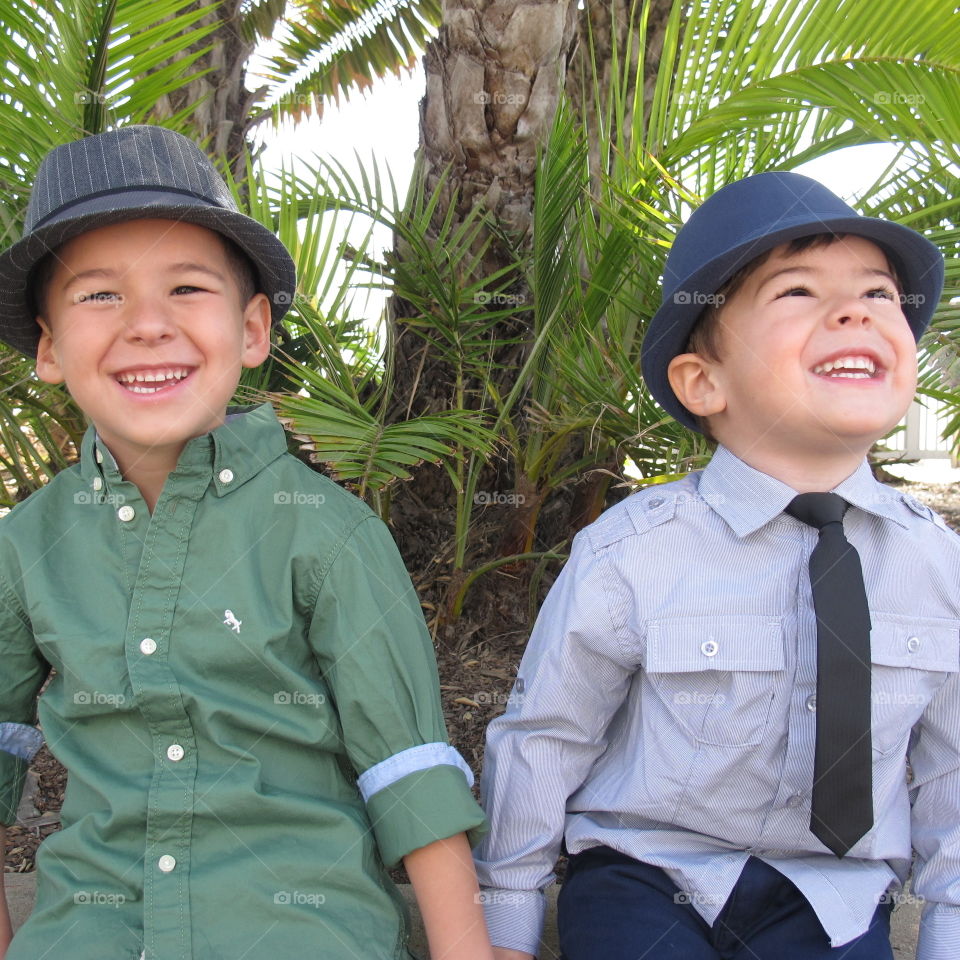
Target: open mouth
[854,367]
[152,381]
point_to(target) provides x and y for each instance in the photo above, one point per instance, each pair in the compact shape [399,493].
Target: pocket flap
[923,643]
[689,644]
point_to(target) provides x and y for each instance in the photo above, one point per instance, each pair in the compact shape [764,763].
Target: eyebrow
[866,272]
[108,273]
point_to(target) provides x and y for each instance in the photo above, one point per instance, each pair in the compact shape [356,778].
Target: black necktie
[842,804]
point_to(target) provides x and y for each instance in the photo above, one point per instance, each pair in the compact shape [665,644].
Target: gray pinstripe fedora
[747,218]
[133,173]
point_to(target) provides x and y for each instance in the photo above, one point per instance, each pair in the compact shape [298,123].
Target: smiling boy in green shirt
[245,695]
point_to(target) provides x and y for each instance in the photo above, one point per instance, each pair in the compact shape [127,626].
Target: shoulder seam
[334,552]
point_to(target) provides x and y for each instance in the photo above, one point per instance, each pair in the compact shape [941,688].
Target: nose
[851,312]
[147,321]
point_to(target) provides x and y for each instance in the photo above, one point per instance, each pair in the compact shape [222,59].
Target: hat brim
[918,262]
[274,267]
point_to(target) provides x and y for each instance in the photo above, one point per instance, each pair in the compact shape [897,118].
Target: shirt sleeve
[22,672]
[377,657]
[574,675]
[935,759]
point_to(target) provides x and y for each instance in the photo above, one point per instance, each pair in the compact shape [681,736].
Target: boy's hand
[502,953]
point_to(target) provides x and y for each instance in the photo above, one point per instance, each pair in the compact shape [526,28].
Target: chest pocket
[911,659]
[717,676]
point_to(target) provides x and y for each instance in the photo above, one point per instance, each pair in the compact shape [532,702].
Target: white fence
[921,440]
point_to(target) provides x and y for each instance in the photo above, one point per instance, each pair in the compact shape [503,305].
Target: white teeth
[846,367]
[152,376]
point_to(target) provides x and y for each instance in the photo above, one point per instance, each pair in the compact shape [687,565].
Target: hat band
[115,191]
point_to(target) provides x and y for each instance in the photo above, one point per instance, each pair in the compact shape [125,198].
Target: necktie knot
[817,509]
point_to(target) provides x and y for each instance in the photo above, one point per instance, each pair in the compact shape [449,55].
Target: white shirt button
[913,644]
[795,801]
[97,483]
[126,513]
[148,646]
[226,476]
[812,703]
[709,648]
[166,863]
[175,752]
[99,456]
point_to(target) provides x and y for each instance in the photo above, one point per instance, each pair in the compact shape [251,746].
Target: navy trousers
[612,907]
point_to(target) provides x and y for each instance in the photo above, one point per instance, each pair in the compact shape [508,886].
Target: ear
[695,382]
[256,331]
[48,364]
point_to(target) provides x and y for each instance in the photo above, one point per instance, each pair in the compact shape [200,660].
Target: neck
[816,474]
[147,470]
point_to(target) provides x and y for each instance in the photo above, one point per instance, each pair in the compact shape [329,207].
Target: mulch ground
[477,659]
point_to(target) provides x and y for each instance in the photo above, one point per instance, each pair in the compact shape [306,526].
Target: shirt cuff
[389,771]
[421,807]
[939,932]
[514,917]
[21,739]
[13,774]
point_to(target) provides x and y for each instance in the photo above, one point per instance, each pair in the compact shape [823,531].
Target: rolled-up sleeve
[377,657]
[22,672]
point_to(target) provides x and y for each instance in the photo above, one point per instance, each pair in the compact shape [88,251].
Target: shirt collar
[249,439]
[747,499]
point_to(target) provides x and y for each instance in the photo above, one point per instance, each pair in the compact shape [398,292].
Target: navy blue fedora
[129,173]
[747,218]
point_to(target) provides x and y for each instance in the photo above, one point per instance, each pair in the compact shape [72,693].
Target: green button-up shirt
[246,701]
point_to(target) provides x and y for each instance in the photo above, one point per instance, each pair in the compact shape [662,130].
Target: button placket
[171,795]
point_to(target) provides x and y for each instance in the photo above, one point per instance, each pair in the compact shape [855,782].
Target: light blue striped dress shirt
[666,707]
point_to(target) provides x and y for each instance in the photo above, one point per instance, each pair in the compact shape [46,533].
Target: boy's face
[816,356]
[145,326]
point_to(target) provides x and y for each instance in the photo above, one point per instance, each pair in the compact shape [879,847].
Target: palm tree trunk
[224,115]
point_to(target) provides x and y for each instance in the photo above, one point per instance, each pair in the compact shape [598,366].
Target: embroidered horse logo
[231,621]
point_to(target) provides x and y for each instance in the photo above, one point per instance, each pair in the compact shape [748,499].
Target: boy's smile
[817,360]
[144,324]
